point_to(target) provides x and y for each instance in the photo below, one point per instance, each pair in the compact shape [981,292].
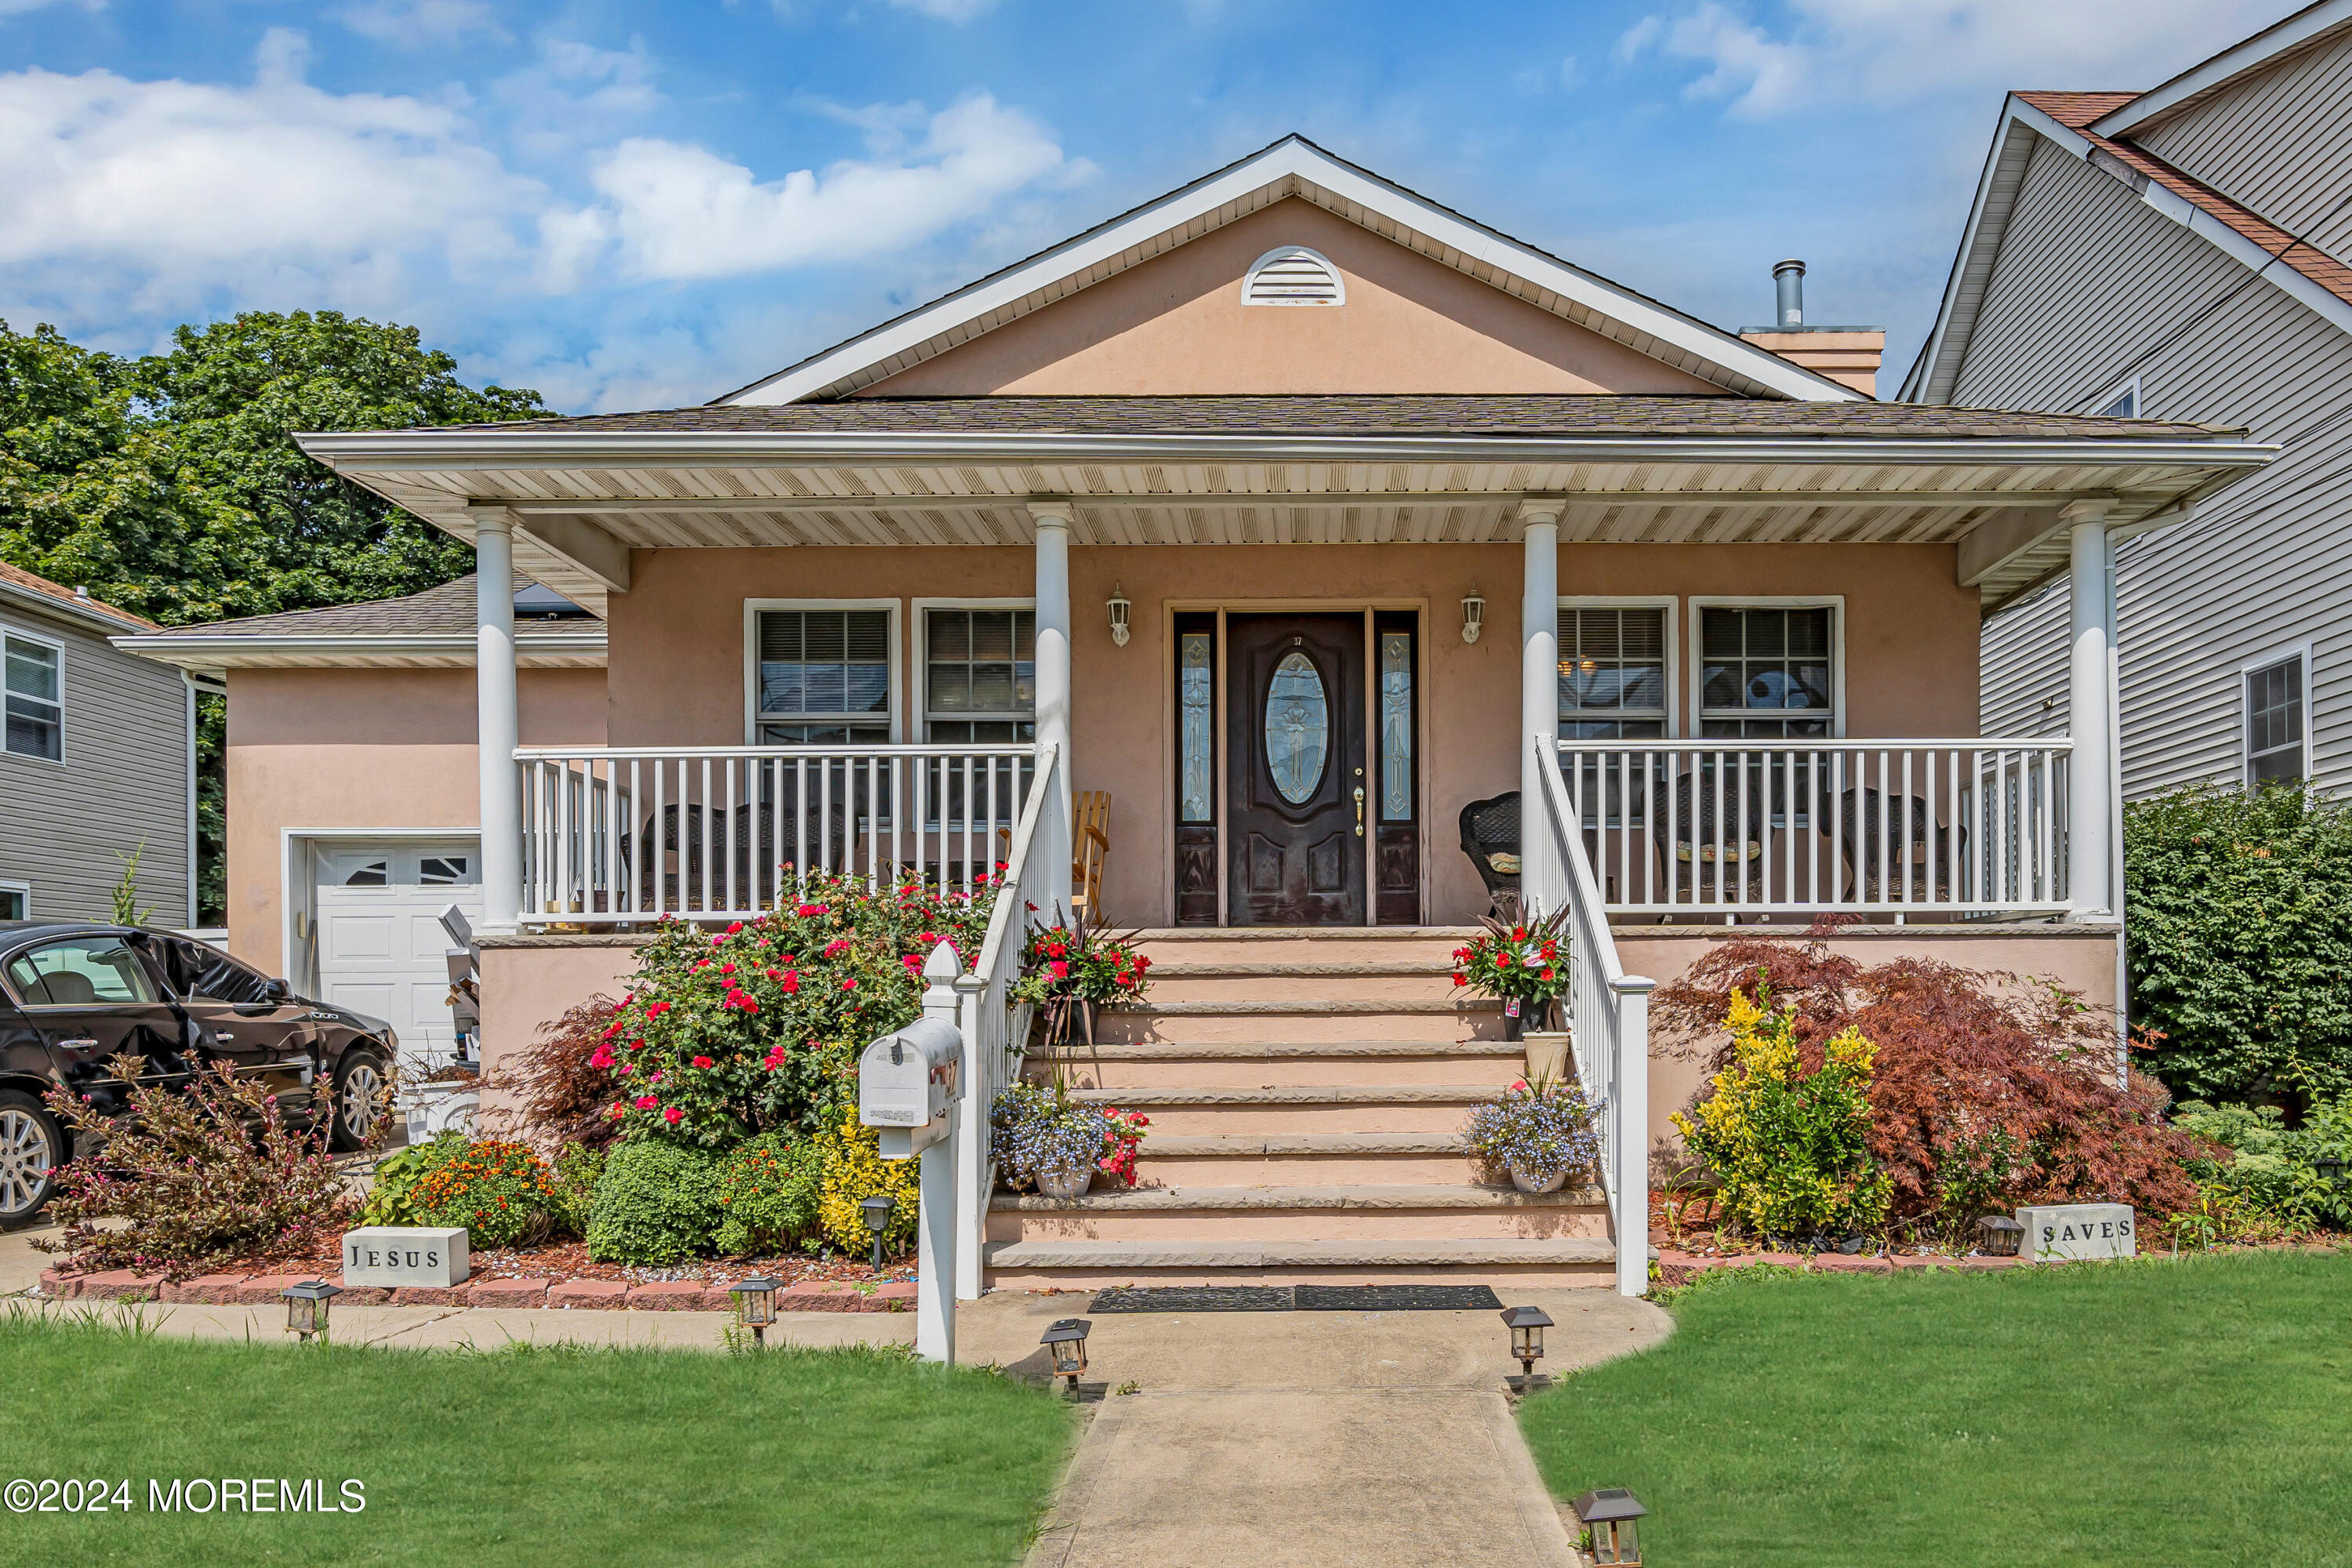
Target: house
[96,765]
[352,813]
[2183,254]
[1308,521]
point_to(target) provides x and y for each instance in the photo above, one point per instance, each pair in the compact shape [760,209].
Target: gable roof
[1295,167]
[434,629]
[2285,37]
[57,599]
[2091,126]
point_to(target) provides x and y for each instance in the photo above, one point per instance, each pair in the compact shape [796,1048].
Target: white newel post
[496,728]
[1543,880]
[2094,773]
[935,1233]
[1053,523]
[1630,1181]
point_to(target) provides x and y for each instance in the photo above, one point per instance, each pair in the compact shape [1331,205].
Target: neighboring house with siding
[2184,253]
[97,762]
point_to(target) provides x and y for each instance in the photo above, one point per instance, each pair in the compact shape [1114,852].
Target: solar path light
[1609,1513]
[877,1220]
[1526,1325]
[755,1305]
[2000,1235]
[1065,1342]
[305,1307]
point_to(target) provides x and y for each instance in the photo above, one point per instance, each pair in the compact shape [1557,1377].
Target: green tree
[172,486]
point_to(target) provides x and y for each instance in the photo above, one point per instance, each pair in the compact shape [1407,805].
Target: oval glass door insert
[1297,726]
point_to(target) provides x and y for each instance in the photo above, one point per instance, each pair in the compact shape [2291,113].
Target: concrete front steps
[1306,1091]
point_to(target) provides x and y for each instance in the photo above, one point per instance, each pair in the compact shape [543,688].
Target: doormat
[1297,1299]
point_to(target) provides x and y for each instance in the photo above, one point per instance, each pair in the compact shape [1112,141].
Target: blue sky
[637,205]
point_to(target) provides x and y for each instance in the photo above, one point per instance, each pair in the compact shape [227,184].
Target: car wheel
[358,1091]
[31,1149]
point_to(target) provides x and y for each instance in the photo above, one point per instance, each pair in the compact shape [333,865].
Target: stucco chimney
[1847,355]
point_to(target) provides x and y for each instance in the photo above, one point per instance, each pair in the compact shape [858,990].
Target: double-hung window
[821,677]
[1612,672]
[2277,720]
[1768,671]
[980,675]
[32,680]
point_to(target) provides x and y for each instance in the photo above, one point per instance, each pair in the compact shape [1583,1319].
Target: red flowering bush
[1524,966]
[1067,971]
[728,1033]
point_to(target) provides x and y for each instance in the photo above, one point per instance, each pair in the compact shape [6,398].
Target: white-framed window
[32,685]
[1617,669]
[2276,692]
[820,672]
[16,900]
[1293,275]
[2123,403]
[978,661]
[1769,668]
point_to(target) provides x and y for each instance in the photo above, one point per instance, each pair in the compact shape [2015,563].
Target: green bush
[577,1167]
[500,1191]
[2272,1184]
[2239,937]
[768,1195]
[655,1204]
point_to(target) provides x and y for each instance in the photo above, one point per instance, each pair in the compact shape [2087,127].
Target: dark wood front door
[1295,788]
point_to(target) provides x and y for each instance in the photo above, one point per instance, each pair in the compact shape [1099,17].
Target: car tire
[31,1150]
[358,1080]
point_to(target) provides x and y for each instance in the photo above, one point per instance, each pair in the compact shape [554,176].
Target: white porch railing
[621,834]
[1608,1023]
[1896,826]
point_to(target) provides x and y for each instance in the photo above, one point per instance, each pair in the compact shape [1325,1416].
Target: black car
[72,996]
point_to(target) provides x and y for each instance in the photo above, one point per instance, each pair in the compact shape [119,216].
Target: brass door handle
[1359,810]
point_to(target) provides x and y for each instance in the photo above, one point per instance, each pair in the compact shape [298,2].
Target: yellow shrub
[855,1171]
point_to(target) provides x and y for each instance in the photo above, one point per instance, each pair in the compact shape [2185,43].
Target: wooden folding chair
[1089,848]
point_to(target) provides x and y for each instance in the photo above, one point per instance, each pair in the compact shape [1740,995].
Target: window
[1612,672]
[15,901]
[823,676]
[1197,703]
[1396,723]
[445,871]
[1767,671]
[1294,274]
[81,971]
[35,702]
[202,973]
[2276,722]
[980,676]
[2125,403]
[373,874]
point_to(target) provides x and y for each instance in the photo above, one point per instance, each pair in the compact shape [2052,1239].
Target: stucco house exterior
[96,764]
[2184,253]
[1310,521]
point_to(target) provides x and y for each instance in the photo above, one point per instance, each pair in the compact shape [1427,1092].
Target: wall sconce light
[1473,614]
[1118,606]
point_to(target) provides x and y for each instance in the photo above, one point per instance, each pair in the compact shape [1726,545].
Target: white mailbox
[905,1083]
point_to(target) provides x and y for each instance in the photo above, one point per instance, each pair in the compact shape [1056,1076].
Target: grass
[2191,1411]
[526,1456]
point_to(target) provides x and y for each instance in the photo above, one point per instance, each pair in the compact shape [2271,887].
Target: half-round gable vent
[1293,275]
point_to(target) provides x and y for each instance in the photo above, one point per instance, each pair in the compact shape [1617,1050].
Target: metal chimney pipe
[1789,285]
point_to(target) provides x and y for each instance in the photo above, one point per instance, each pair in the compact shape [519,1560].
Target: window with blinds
[1613,673]
[824,678]
[1765,671]
[2274,722]
[980,680]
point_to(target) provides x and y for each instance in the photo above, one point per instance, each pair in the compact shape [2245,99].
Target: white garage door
[381,945]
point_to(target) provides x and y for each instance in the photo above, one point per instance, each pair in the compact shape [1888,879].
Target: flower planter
[1065,1185]
[1546,1055]
[432,1109]
[1526,1182]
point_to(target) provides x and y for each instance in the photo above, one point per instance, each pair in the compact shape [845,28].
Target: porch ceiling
[581,500]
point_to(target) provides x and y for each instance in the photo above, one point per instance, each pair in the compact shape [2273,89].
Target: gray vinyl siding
[122,785]
[2279,143]
[2092,285]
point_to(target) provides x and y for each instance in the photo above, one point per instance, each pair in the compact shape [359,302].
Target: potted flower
[1526,967]
[1542,1134]
[1043,1137]
[1068,969]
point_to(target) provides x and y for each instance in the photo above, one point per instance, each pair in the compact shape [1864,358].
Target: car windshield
[80,971]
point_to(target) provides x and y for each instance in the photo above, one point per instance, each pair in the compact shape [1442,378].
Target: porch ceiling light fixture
[1473,614]
[755,1305]
[1065,1342]
[305,1307]
[1117,606]
[877,1210]
[1610,1512]
[1526,1325]
[2000,1235]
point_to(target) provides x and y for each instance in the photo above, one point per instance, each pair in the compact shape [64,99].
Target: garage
[379,947]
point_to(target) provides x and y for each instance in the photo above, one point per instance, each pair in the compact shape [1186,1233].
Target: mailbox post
[908,1084]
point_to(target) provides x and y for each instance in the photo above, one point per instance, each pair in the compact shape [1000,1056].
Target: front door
[1296,785]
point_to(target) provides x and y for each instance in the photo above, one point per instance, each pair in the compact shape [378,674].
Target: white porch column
[2095,774]
[1543,879]
[496,728]
[1053,522]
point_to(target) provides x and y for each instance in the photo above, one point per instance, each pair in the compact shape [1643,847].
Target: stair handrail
[983,1015]
[1608,1021]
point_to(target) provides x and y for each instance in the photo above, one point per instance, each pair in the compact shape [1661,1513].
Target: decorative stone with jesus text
[2077,1230]
[406,1254]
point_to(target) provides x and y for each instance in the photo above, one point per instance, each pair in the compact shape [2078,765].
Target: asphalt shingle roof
[16,577]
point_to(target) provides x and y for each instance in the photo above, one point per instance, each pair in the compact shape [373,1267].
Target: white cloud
[19,7]
[418,23]
[1833,52]
[945,10]
[681,211]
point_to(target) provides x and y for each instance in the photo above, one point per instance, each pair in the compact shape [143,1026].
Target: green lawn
[2172,1413]
[607,1459]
